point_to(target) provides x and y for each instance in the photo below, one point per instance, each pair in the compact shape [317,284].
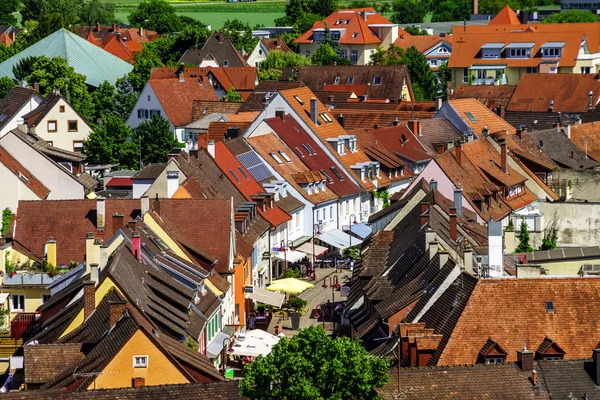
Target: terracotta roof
[295,137]
[354,28]
[202,108]
[25,177]
[40,362]
[242,78]
[572,324]
[217,130]
[524,145]
[436,131]
[587,138]
[101,33]
[355,119]
[230,167]
[268,144]
[68,222]
[569,92]
[375,150]
[489,95]
[13,102]
[257,100]
[327,130]
[36,115]
[356,89]
[275,44]
[483,117]
[218,47]
[176,97]
[423,43]
[120,48]
[506,16]
[401,141]
[393,78]
[120,182]
[5,39]
[248,117]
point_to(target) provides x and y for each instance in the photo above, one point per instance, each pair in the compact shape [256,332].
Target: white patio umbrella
[254,343]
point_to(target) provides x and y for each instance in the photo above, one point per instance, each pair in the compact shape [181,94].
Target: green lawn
[216,19]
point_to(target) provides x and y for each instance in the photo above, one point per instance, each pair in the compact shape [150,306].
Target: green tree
[570,16]
[305,22]
[33,9]
[160,15]
[450,10]
[53,73]
[111,143]
[142,70]
[97,12]
[295,8]
[416,31]
[157,139]
[104,100]
[311,365]
[324,7]
[240,34]
[233,96]
[408,11]
[125,97]
[326,55]
[550,235]
[36,10]
[23,68]
[7,7]
[278,59]
[191,36]
[523,237]
[270,75]
[6,84]
[445,76]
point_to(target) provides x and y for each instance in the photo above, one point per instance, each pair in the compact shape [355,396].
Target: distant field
[216,19]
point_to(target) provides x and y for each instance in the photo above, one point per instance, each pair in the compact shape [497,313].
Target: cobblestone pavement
[316,296]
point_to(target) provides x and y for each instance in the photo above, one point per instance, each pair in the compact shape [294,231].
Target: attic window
[285,156]
[347,21]
[549,306]
[243,173]
[350,80]
[471,117]
[236,178]
[299,152]
[3,117]
[298,100]
[377,80]
[337,80]
[275,157]
[354,35]
[226,63]
[329,180]
[23,178]
[339,22]
[140,361]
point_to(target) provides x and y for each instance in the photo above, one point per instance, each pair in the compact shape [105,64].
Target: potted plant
[297,304]
[260,308]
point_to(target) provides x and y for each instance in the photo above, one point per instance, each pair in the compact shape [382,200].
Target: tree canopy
[240,34]
[523,237]
[7,7]
[233,96]
[570,16]
[313,366]
[37,10]
[96,12]
[326,55]
[159,13]
[6,84]
[157,139]
[112,142]
[408,11]
[279,59]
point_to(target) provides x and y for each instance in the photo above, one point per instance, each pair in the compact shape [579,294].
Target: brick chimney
[89,298]
[453,224]
[117,222]
[424,214]
[503,157]
[459,154]
[475,7]
[100,213]
[525,359]
[132,225]
[500,110]
[116,309]
[136,245]
[51,252]
[440,148]
[97,26]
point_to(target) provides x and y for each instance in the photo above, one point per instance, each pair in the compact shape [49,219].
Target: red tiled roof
[358,90]
[275,44]
[121,49]
[400,140]
[68,222]
[506,16]
[217,130]
[482,115]
[356,31]
[5,39]
[128,34]
[422,43]
[587,138]
[30,181]
[573,324]
[120,182]
[176,97]
[230,167]
[242,78]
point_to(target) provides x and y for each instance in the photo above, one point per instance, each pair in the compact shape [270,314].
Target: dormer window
[350,80]
[519,50]
[491,353]
[377,80]
[549,350]
[309,188]
[491,50]
[337,80]
[442,50]
[323,187]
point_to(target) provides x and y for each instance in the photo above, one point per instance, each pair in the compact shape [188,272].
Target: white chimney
[495,249]
[145,205]
[211,148]
[172,183]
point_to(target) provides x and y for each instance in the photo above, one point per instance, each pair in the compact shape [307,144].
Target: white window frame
[354,56]
[141,364]
[12,297]
[226,63]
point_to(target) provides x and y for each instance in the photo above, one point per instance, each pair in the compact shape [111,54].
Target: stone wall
[579,223]
[585,184]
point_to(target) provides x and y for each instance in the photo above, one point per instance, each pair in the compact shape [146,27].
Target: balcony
[29,279]
[25,325]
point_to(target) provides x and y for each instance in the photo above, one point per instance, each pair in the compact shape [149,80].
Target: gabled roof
[562,150]
[568,92]
[354,25]
[176,97]
[13,102]
[242,78]
[489,95]
[506,16]
[262,92]
[481,116]
[100,33]
[6,39]
[275,44]
[402,142]
[118,47]
[393,78]
[376,151]
[34,117]
[77,51]
[423,43]
[30,181]
[367,119]
[150,171]
[572,324]
[436,131]
[220,48]
[40,361]
[202,108]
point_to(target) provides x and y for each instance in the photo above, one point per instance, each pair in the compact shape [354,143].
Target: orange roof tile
[232,169]
[422,43]
[506,16]
[485,157]
[123,50]
[587,138]
[242,117]
[5,39]
[573,324]
[242,78]
[299,99]
[176,98]
[352,25]
[264,145]
[483,116]
[358,90]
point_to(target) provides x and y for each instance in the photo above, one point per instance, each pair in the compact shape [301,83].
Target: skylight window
[310,149]
[350,80]
[326,118]
[337,173]
[243,173]
[377,80]
[549,306]
[234,176]
[471,117]
[339,22]
[337,80]
[355,34]
[299,152]
[276,158]
[2,117]
[347,21]
[329,180]
[305,146]
[298,100]
[285,156]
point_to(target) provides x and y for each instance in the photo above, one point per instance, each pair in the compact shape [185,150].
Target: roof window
[326,118]
[355,34]
[338,22]
[299,152]
[471,117]
[234,176]
[350,80]
[347,22]
[337,173]
[549,306]
[298,100]
[329,180]
[377,80]
[337,80]
[243,173]
[285,156]
[276,158]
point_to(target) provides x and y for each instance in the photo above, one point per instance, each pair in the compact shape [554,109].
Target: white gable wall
[146,101]
[13,190]
[63,138]
[17,119]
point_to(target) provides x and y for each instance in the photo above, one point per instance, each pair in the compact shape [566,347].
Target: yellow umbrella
[289,285]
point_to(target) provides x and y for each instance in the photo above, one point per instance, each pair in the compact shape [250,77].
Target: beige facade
[363,51]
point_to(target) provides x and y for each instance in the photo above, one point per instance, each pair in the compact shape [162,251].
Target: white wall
[13,190]
[32,104]
[62,184]
[63,138]
[257,56]
[141,186]
[147,101]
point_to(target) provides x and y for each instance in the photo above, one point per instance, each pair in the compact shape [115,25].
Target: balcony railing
[27,279]
[25,325]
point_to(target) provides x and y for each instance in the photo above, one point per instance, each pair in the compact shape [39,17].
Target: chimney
[551,108]
[424,214]
[469,136]
[314,115]
[116,309]
[132,225]
[136,245]
[103,256]
[500,110]
[141,32]
[458,192]
[100,208]
[468,259]
[440,148]
[145,205]
[211,148]
[89,298]
[596,366]
[51,252]
[567,130]
[433,185]
[453,224]
[519,133]
[572,153]
[94,277]
[433,249]
[465,25]
[114,27]
[444,256]
[117,222]
[364,15]
[395,122]
[414,127]
[503,157]
[485,132]
[341,120]
[36,86]
[92,250]
[172,183]
[429,236]
[139,382]
[525,359]
[475,7]
[438,103]
[459,154]
[97,26]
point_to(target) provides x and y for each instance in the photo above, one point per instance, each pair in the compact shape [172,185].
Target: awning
[308,249]
[290,255]
[266,297]
[338,239]
[3,297]
[216,345]
[362,230]
[301,240]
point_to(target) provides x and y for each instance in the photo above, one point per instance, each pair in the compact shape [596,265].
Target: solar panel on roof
[255,166]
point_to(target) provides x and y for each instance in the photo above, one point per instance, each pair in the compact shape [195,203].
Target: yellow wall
[160,232]
[101,291]
[565,267]
[119,372]
[12,255]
